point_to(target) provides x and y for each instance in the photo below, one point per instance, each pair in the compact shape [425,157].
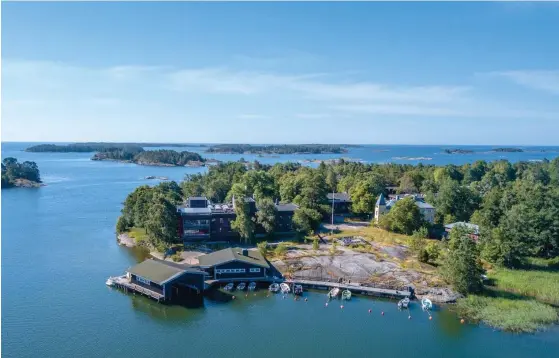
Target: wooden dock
[357,289]
[123,283]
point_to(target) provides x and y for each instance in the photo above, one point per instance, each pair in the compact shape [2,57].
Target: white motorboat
[346,295]
[284,287]
[274,287]
[403,303]
[334,292]
[229,287]
[110,281]
[426,304]
[241,286]
[298,289]
[252,286]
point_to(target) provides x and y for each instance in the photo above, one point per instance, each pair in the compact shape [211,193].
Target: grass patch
[138,234]
[514,315]
[541,285]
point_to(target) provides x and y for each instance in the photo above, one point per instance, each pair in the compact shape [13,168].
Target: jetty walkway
[357,289]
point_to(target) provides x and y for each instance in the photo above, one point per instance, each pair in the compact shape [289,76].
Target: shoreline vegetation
[161,157]
[23,175]
[90,147]
[494,150]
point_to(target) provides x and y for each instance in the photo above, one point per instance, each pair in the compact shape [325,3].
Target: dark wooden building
[166,281]
[342,202]
[234,264]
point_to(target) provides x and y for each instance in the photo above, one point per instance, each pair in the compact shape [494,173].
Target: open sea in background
[59,246]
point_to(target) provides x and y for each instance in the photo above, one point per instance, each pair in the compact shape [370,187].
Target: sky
[363,73]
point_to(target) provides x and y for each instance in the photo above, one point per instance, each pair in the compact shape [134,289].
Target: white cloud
[540,80]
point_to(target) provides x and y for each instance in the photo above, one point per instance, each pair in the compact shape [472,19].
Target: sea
[59,246]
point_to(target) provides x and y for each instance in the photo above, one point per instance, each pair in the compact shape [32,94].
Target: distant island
[16,174]
[508,150]
[99,146]
[277,149]
[162,157]
[458,151]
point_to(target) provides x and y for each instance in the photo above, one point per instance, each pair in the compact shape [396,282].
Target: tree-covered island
[162,157]
[277,149]
[90,147]
[16,174]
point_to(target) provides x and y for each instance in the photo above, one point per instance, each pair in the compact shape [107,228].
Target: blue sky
[402,73]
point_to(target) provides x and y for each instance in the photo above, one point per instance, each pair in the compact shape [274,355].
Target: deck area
[123,283]
[357,289]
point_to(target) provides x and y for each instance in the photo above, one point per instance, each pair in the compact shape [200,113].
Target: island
[458,151]
[16,174]
[508,150]
[161,157]
[277,149]
[89,147]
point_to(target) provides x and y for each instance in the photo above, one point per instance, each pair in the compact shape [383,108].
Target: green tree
[162,222]
[364,194]
[306,220]
[418,240]
[315,244]
[263,248]
[243,223]
[456,201]
[461,266]
[121,224]
[404,217]
[266,215]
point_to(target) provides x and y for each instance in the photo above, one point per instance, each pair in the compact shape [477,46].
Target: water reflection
[165,313]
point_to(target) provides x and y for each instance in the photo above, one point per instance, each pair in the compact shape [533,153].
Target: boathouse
[235,264]
[164,281]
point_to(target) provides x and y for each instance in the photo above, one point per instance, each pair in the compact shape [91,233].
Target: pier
[124,284]
[357,289]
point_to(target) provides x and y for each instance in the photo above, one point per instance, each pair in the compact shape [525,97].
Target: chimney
[245,252]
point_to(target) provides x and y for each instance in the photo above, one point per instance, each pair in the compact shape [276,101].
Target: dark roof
[254,257]
[196,210]
[472,227]
[339,196]
[160,271]
[286,207]
[197,198]
[380,200]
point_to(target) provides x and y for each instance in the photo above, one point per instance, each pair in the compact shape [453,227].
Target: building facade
[340,201]
[382,207]
[235,264]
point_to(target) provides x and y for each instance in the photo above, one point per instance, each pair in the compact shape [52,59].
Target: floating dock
[123,283]
[357,289]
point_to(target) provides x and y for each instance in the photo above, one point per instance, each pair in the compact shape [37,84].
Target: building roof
[160,271]
[254,257]
[199,211]
[339,196]
[197,198]
[286,207]
[380,200]
[470,226]
[424,205]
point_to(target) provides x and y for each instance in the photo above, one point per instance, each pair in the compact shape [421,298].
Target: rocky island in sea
[25,175]
[458,151]
[162,157]
[508,150]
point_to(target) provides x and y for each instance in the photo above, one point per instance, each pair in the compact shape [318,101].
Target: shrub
[433,251]
[281,249]
[315,245]
[177,256]
[423,256]
[263,248]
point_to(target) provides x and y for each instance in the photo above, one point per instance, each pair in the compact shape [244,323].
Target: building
[200,220]
[234,264]
[164,281]
[382,206]
[473,228]
[341,202]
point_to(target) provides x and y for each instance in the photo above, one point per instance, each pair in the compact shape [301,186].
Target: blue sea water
[58,248]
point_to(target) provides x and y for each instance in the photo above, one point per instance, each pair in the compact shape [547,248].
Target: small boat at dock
[298,289]
[284,287]
[426,304]
[403,303]
[241,286]
[334,292]
[229,287]
[252,286]
[346,295]
[274,287]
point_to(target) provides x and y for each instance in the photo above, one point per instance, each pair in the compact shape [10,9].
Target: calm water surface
[58,248]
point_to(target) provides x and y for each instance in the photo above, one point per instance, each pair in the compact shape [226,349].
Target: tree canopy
[12,171]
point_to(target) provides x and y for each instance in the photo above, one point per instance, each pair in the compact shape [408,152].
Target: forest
[515,205]
[89,147]
[149,157]
[12,172]
[277,149]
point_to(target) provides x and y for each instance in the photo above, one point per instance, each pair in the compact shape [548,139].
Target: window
[255,270]
[230,271]
[143,280]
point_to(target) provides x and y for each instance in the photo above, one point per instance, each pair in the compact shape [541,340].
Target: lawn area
[515,315]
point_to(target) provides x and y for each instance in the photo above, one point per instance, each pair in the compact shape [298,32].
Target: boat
[346,295]
[110,282]
[284,287]
[403,303]
[252,286]
[229,287]
[426,304]
[334,292]
[274,287]
[241,286]
[298,289]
